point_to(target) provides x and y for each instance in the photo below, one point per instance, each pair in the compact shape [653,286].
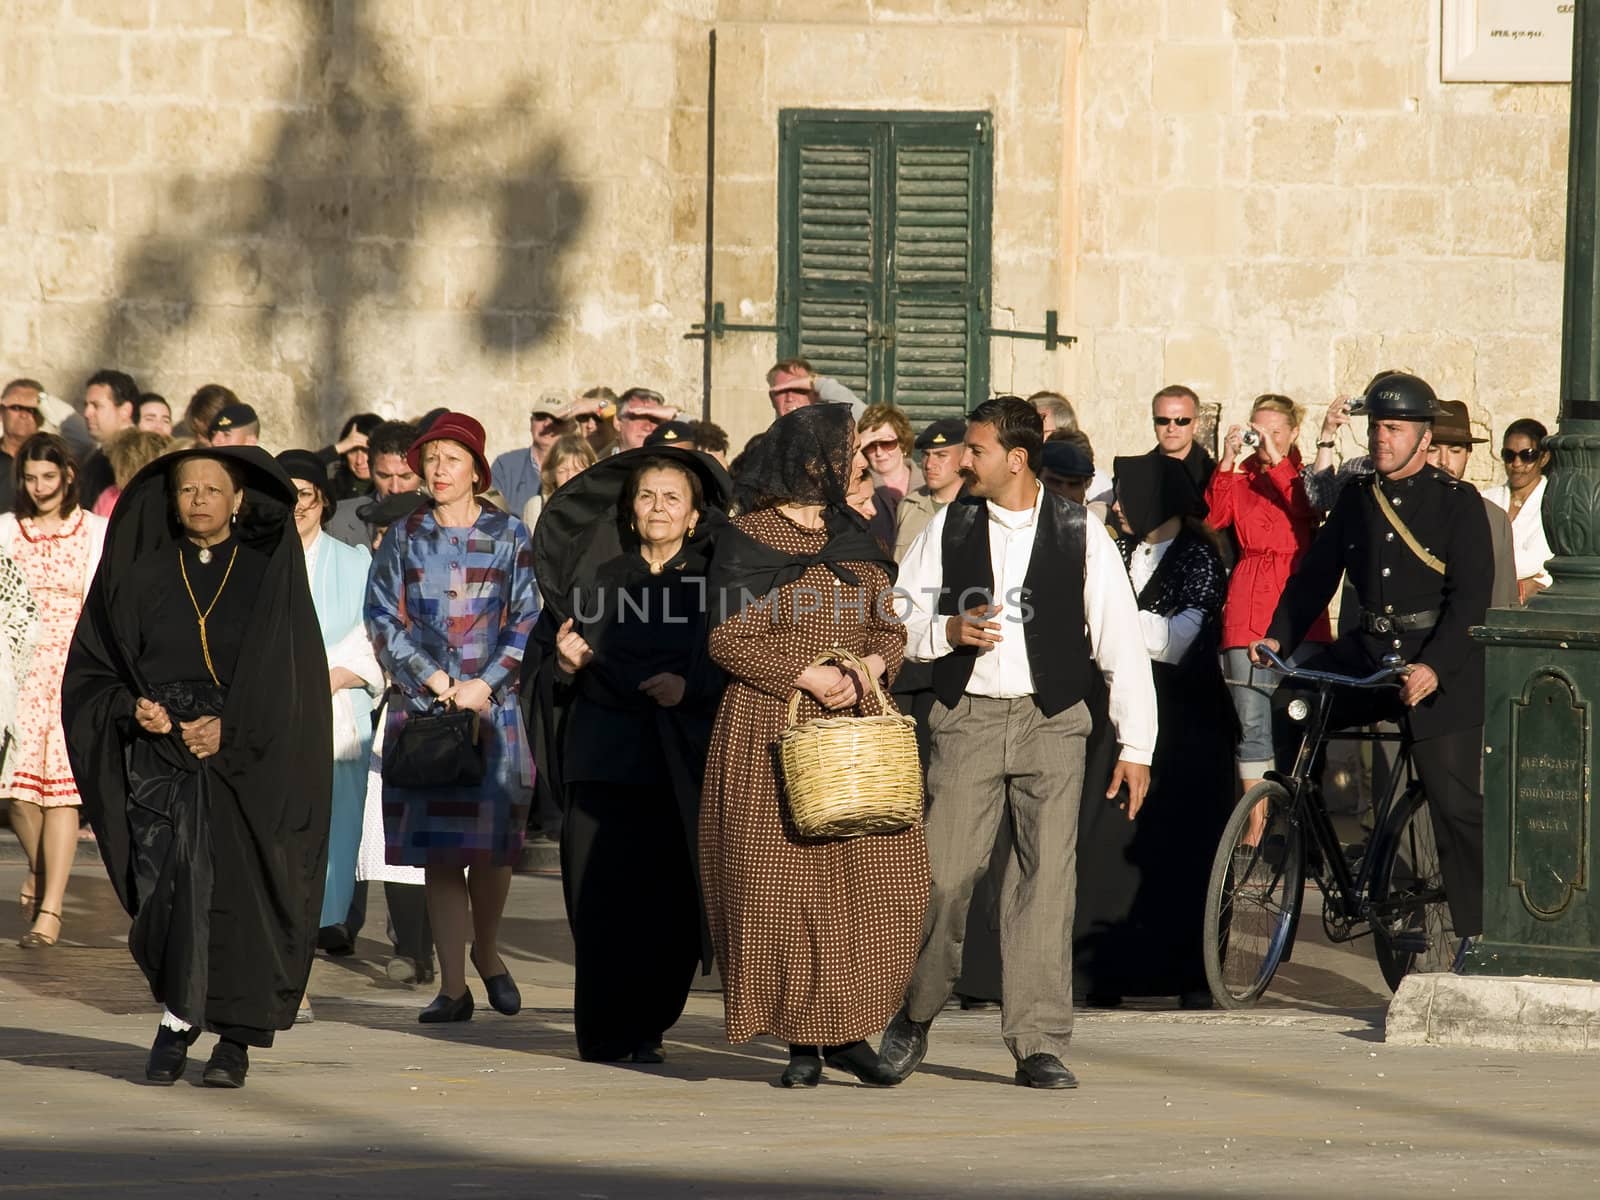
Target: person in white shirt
[1522,497]
[1016,602]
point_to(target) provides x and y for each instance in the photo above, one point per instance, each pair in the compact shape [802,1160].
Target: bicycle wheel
[1253,897]
[1410,916]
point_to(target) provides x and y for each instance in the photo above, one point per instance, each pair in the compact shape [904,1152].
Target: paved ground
[1299,1097]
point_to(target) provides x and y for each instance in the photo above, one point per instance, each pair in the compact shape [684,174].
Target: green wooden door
[884,226]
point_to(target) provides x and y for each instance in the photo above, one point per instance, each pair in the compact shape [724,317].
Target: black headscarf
[581,528]
[1152,488]
[265,796]
[804,458]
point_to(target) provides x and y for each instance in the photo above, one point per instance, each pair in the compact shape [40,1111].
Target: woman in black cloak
[1139,925]
[199,726]
[621,554]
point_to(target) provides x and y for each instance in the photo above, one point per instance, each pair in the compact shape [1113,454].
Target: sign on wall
[1506,41]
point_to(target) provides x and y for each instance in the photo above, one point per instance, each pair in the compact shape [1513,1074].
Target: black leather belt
[1387,623]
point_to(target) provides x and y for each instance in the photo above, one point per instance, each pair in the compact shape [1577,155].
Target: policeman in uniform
[1415,543]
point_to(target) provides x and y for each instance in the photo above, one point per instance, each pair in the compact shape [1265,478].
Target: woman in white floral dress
[56,546]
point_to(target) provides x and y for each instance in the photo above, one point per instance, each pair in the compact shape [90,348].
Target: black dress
[1138,928]
[632,771]
[219,862]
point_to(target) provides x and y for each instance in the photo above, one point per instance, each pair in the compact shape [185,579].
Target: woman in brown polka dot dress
[816,938]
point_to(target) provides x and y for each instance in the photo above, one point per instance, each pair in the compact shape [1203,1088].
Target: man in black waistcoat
[1416,545]
[1015,607]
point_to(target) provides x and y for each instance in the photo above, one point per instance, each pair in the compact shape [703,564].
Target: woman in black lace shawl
[1141,885]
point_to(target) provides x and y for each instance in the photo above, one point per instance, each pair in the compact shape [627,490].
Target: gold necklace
[201,617]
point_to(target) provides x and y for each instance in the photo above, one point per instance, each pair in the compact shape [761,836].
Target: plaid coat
[461,601]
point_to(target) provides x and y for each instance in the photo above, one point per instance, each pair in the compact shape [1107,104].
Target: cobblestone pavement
[1299,1097]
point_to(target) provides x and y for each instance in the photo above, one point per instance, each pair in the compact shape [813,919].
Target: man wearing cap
[940,446]
[639,412]
[236,425]
[517,471]
[1451,448]
[20,419]
[1415,543]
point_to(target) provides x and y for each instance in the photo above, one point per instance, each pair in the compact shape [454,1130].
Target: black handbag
[438,748]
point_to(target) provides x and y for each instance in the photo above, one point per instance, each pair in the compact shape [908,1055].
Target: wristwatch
[1325,445]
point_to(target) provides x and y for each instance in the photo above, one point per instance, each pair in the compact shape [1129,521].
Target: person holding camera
[1263,500]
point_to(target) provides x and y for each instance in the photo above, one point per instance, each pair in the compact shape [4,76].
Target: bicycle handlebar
[1390,673]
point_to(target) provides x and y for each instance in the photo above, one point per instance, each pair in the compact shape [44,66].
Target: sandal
[34,940]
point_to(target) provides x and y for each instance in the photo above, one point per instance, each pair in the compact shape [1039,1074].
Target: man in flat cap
[236,425]
[940,447]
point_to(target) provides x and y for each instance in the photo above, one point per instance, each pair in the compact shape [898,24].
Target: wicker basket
[848,776]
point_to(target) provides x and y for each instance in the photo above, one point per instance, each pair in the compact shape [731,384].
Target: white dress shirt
[1116,641]
[1166,638]
[1531,548]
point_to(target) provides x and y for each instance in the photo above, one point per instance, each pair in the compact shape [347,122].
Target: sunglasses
[23,408]
[1527,457]
[1180,422]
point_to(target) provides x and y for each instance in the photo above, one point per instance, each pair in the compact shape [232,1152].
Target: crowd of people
[599,638]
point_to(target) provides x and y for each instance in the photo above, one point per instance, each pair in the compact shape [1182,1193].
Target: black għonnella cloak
[225,915]
[630,769]
[577,534]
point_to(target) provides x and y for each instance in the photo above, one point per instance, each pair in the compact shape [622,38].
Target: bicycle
[1280,831]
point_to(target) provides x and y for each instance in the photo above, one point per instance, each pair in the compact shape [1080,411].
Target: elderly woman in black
[203,759]
[629,641]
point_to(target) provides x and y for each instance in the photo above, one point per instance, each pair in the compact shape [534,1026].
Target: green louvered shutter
[833,251]
[884,223]
[939,270]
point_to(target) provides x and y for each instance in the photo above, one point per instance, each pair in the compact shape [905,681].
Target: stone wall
[1280,195]
[392,204]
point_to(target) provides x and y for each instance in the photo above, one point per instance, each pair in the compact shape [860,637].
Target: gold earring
[690,533]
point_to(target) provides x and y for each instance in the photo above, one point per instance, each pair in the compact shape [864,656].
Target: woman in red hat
[450,604]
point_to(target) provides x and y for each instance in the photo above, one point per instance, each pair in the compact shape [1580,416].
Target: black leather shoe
[1045,1071]
[169,1054]
[862,1061]
[227,1065]
[444,1009]
[502,989]
[904,1043]
[649,1052]
[804,1069]
[336,941]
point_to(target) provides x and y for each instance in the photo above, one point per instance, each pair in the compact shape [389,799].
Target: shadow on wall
[300,266]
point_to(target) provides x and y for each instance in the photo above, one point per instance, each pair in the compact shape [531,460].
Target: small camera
[1251,438]
[1357,405]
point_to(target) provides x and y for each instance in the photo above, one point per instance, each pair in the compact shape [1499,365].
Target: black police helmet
[1400,397]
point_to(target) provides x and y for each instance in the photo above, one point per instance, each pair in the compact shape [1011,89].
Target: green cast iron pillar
[1541,905]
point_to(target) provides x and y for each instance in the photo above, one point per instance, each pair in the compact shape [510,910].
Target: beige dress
[816,939]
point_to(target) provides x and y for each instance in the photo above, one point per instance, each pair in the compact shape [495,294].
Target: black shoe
[444,1009]
[336,941]
[649,1052]
[169,1054]
[904,1043]
[804,1069]
[227,1065]
[862,1061]
[976,1003]
[1196,1000]
[502,989]
[1103,1000]
[1045,1071]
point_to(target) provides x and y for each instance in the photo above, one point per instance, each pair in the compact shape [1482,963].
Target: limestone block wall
[1280,195]
[392,204]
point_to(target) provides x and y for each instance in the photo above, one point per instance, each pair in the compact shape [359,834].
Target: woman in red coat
[1264,501]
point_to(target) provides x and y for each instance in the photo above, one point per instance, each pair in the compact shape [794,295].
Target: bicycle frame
[1347,909]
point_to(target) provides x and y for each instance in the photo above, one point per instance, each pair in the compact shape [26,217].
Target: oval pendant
[205,554]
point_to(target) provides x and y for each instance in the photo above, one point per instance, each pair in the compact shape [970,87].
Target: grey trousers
[995,760]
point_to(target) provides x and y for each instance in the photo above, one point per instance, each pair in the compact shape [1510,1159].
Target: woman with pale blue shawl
[338,576]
